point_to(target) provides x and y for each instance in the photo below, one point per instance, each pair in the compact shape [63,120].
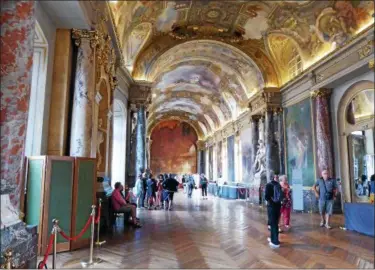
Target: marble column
[140,143]
[272,162]
[17,39]
[323,131]
[149,144]
[254,140]
[199,169]
[84,94]
[279,134]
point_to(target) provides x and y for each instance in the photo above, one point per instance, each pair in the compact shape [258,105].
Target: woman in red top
[286,204]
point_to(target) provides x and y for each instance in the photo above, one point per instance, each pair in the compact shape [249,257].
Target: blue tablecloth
[229,192]
[359,217]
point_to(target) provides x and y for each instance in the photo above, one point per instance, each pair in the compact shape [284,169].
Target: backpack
[278,194]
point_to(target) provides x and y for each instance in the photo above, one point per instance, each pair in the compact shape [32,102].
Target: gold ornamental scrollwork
[366,50]
[371,64]
[320,93]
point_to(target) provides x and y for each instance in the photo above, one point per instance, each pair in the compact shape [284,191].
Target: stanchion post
[91,260]
[98,243]
[54,232]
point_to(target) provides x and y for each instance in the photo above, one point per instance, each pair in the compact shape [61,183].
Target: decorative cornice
[91,35]
[323,92]
[268,98]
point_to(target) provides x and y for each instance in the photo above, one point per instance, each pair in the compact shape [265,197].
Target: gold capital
[324,92]
[91,35]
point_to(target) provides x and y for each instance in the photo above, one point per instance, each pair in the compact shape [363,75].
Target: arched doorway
[173,148]
[357,132]
[119,142]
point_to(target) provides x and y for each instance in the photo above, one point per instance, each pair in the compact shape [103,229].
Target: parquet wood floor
[218,233]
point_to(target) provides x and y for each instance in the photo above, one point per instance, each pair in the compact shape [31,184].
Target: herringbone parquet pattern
[217,233]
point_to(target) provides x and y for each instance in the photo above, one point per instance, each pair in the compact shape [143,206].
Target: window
[295,64]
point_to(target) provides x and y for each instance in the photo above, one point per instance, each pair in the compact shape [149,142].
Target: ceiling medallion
[183,32]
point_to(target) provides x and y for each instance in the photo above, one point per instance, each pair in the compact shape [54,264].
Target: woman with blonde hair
[286,204]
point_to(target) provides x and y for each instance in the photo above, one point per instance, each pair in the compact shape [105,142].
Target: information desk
[359,217]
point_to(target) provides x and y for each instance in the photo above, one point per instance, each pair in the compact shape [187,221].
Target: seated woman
[121,206]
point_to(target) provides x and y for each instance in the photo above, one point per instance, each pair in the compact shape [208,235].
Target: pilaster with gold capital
[323,131]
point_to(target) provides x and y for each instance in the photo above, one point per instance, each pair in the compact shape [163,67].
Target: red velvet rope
[241,190]
[98,216]
[80,234]
[45,258]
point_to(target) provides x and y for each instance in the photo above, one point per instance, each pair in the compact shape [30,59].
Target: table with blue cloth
[212,188]
[359,217]
[229,192]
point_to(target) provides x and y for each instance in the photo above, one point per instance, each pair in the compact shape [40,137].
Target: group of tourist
[189,183]
[152,193]
[279,203]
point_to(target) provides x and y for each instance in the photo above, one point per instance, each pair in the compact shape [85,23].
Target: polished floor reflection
[218,233]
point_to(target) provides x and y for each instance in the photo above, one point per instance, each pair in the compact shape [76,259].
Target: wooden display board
[49,196]
[84,196]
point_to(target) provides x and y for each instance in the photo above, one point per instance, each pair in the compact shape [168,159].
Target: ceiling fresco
[205,59]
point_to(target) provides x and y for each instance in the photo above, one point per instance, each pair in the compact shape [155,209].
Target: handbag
[328,195]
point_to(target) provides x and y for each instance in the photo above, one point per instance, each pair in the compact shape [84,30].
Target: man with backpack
[274,197]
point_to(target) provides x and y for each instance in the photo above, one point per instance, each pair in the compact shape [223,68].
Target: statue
[260,162]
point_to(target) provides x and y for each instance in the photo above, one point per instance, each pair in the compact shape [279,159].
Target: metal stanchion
[98,243]
[8,260]
[54,232]
[91,260]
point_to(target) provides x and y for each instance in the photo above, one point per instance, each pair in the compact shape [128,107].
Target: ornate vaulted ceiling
[207,58]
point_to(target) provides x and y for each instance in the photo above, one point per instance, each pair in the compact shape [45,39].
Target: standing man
[203,184]
[326,195]
[191,185]
[170,186]
[273,196]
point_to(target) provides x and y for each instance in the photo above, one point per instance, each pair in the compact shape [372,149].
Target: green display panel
[86,180]
[34,191]
[60,201]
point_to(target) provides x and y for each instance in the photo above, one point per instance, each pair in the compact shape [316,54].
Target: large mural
[231,159]
[245,138]
[173,148]
[219,159]
[300,155]
[299,143]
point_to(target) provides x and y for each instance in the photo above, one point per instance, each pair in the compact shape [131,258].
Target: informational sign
[297,192]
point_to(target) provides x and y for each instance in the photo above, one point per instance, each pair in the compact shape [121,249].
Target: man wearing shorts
[326,194]
[170,187]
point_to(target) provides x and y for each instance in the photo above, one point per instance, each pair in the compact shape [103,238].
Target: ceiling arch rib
[181,109]
[185,104]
